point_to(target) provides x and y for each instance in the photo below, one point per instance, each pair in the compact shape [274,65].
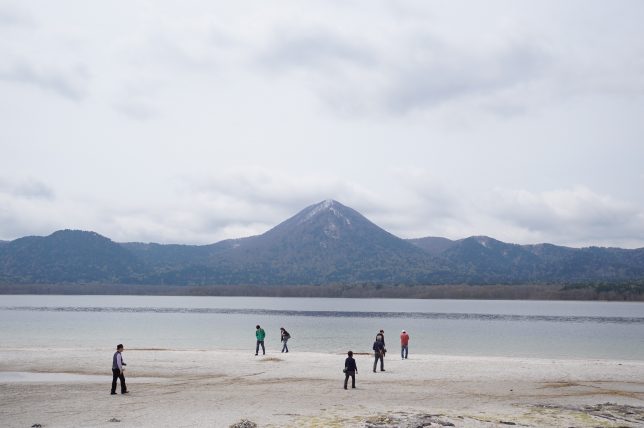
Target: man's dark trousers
[353,378]
[116,374]
[378,356]
[260,342]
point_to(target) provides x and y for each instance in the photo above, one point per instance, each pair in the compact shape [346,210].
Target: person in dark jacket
[117,370]
[378,353]
[381,337]
[350,369]
[285,337]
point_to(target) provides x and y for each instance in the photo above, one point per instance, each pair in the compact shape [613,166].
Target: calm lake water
[448,327]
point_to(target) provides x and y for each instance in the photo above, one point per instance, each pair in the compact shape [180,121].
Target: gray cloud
[411,114]
[576,216]
[22,204]
[170,60]
[316,51]
[422,71]
[70,83]
[340,69]
[185,51]
[444,74]
[137,109]
[416,69]
[28,188]
[14,16]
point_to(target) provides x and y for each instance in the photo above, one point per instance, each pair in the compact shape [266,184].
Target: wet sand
[218,388]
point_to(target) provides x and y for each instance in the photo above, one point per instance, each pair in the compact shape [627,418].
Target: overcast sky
[192,122]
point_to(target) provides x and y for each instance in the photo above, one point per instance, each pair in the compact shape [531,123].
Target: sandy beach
[184,388]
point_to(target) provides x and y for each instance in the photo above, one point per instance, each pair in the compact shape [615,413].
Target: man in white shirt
[117,370]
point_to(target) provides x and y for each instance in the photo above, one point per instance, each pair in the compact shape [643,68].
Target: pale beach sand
[185,388]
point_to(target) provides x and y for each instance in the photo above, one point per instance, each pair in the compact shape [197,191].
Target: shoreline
[391,355]
[218,388]
[618,292]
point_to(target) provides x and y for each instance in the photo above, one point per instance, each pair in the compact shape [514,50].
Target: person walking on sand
[404,345]
[260,334]
[350,369]
[118,370]
[378,353]
[285,337]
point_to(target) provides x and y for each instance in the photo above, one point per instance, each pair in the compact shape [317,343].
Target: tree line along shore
[604,292]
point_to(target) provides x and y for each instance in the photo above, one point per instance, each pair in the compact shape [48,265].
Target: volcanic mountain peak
[328,206]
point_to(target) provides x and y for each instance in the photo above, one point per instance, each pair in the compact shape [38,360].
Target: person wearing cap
[404,345]
[117,370]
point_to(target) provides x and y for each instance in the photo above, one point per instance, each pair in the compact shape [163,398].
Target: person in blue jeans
[260,334]
[404,345]
[285,337]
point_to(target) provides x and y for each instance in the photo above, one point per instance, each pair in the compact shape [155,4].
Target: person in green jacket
[260,334]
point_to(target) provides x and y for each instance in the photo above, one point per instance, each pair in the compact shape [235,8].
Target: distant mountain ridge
[325,243]
[66,256]
[490,260]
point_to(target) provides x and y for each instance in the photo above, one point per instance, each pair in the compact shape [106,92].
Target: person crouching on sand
[118,370]
[350,369]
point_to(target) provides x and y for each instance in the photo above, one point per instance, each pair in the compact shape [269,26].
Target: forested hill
[324,244]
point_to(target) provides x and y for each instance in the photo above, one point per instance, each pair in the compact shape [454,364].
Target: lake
[544,329]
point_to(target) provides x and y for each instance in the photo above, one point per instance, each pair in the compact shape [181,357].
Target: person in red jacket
[404,345]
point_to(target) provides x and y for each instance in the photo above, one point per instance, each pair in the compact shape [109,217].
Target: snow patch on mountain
[326,206]
[331,231]
[483,240]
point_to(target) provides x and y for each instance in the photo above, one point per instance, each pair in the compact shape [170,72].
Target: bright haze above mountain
[193,122]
